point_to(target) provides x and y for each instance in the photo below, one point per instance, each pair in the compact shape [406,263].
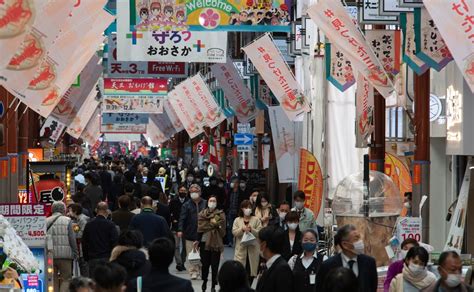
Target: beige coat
[252,250]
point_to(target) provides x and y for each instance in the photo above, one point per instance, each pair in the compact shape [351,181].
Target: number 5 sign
[409,227]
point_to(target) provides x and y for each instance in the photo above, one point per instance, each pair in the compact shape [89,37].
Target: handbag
[248,239]
[194,257]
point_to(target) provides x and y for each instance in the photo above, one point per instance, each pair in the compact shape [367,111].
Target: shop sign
[392,7]
[123,128]
[412,3]
[370,14]
[143,104]
[29,221]
[407,22]
[124,118]
[339,68]
[52,129]
[311,181]
[135,86]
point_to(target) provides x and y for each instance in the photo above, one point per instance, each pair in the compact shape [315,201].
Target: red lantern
[202,148]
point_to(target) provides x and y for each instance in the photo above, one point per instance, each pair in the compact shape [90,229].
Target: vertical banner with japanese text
[163,122]
[285,135]
[338,68]
[386,46]
[168,109]
[192,125]
[269,62]
[310,181]
[407,23]
[154,133]
[454,20]
[236,92]
[91,132]
[331,17]
[52,130]
[84,114]
[364,111]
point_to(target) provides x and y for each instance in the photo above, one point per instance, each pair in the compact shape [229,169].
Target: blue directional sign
[124,118]
[243,139]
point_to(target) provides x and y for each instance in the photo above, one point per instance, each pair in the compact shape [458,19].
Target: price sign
[29,221]
[409,227]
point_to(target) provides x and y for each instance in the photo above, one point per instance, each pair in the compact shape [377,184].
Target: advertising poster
[284,134]
[331,17]
[430,45]
[220,15]
[192,126]
[238,95]
[122,118]
[454,21]
[310,181]
[119,69]
[52,129]
[386,45]
[409,227]
[339,68]
[84,114]
[407,22]
[364,111]
[144,104]
[123,128]
[36,282]
[28,220]
[166,46]
[271,66]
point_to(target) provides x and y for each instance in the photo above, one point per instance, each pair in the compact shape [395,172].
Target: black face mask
[182,195]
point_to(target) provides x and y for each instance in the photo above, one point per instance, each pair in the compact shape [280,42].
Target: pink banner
[189,121]
[92,131]
[192,105]
[239,96]
[168,109]
[164,123]
[154,133]
[364,111]
[332,18]
[84,114]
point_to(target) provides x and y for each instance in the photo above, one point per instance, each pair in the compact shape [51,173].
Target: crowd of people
[133,218]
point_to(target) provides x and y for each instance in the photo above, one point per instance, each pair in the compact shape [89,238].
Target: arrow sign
[243,139]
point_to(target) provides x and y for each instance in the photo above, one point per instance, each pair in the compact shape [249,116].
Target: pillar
[4,173]
[12,147]
[23,133]
[377,147]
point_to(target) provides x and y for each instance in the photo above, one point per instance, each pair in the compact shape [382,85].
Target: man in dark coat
[352,258]
[122,217]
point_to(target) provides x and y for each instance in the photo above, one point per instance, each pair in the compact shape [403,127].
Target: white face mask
[190,179]
[242,185]
[403,254]
[359,246]
[232,185]
[212,205]
[292,226]
[253,199]
[453,280]
[299,205]
[407,205]
[247,212]
[264,204]
[282,215]
[194,196]
[417,270]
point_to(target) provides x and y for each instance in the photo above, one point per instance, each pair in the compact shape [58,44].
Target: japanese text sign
[123,128]
[364,111]
[142,69]
[409,227]
[52,129]
[407,22]
[84,114]
[122,118]
[163,122]
[191,104]
[192,125]
[236,92]
[386,46]
[274,70]
[145,104]
[338,68]
[168,109]
[154,133]
[167,46]
[370,14]
[29,221]
[331,17]
[455,21]
[92,131]
[135,86]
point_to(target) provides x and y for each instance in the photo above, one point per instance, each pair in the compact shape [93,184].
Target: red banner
[311,181]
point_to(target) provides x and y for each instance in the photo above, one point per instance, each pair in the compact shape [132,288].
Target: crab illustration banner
[338,68]
[310,181]
[454,20]
[187,116]
[195,15]
[269,62]
[84,114]
[198,93]
[168,109]
[332,18]
[238,95]
[167,46]
[364,111]
[154,134]
[92,131]
[163,122]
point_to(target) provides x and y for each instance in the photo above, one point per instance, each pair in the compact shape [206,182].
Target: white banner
[84,114]
[168,109]
[458,220]
[154,133]
[239,96]
[198,91]
[139,104]
[164,123]
[190,123]
[167,46]
[269,62]
[286,137]
[92,131]
[52,129]
[331,17]
[192,106]
[454,20]
[364,111]
[123,128]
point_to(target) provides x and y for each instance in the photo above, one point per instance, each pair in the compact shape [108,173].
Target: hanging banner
[407,22]
[122,118]
[84,114]
[454,22]
[267,59]
[310,181]
[331,17]
[92,131]
[220,15]
[119,69]
[386,46]
[135,86]
[154,134]
[168,109]
[167,46]
[364,111]
[187,97]
[458,220]
[238,95]
[143,104]
[198,90]
[192,126]
[338,68]
[399,172]
[123,128]
[52,129]
[285,144]
[67,108]
[163,122]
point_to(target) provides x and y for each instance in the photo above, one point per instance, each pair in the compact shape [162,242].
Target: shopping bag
[76,270]
[194,258]
[248,239]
